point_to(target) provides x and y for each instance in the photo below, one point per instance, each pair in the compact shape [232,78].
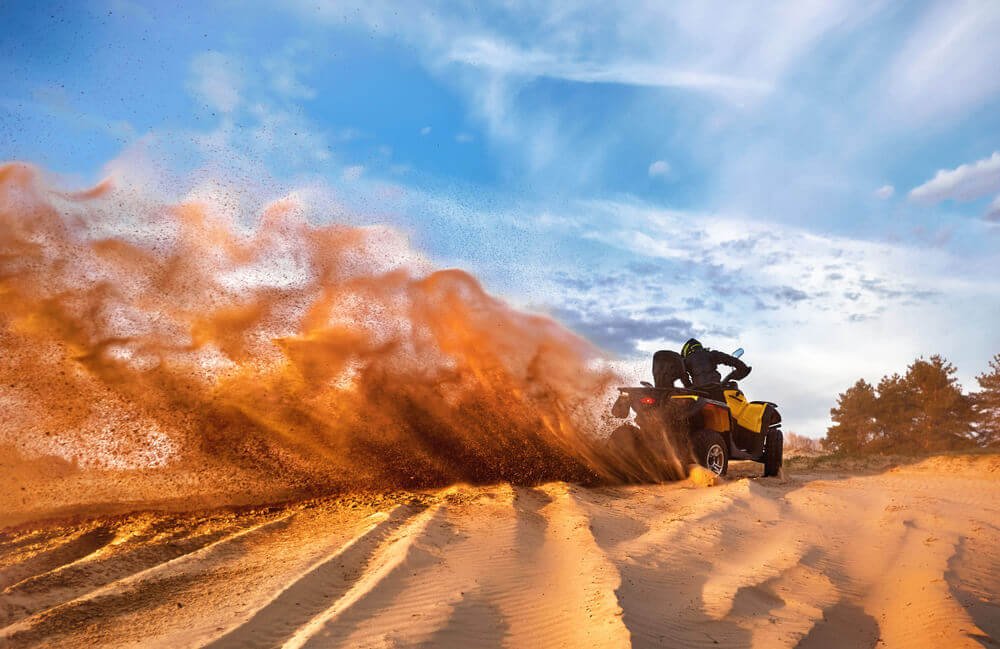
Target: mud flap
[622,406]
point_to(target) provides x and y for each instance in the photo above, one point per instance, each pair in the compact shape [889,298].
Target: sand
[903,557]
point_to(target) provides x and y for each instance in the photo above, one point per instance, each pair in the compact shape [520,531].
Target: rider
[702,364]
[668,368]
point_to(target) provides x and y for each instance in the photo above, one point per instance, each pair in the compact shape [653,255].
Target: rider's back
[703,366]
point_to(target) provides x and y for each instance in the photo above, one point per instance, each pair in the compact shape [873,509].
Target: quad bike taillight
[648,401]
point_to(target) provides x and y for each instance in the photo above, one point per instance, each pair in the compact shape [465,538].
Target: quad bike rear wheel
[773,447]
[711,451]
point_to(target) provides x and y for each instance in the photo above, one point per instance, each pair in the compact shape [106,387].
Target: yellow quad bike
[715,430]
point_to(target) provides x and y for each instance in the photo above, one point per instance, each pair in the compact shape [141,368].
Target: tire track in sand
[462,579]
[122,554]
[438,592]
[887,542]
[663,569]
[83,545]
[330,586]
[119,586]
[572,601]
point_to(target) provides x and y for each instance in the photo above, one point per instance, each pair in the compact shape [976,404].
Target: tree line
[923,410]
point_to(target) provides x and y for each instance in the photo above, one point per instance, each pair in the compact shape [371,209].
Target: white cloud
[284,134]
[993,211]
[948,65]
[885,192]
[285,70]
[268,133]
[497,55]
[964,183]
[767,286]
[216,80]
[770,255]
[463,138]
[659,168]
[737,52]
[688,44]
[353,172]
[425,130]
[349,135]
[55,101]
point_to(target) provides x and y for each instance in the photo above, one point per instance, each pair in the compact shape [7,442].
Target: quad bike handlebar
[728,378]
[726,383]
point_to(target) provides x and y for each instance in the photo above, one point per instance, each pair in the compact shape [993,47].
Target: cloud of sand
[140,334]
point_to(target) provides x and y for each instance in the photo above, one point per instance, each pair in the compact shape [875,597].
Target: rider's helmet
[689,347]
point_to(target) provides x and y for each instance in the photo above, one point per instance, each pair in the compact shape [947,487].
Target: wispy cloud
[966,182]
[352,172]
[499,56]
[54,100]
[217,81]
[659,168]
[776,265]
[947,66]
[738,281]
[697,45]
[993,211]
[623,332]
[885,192]
[732,57]
[286,68]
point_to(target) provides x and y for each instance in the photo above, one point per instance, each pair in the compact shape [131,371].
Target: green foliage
[986,404]
[923,410]
[943,413]
[854,419]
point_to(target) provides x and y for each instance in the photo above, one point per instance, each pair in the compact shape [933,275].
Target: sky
[815,181]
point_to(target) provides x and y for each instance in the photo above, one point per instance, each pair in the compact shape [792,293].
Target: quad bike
[715,421]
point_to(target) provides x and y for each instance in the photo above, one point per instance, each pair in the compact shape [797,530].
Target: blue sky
[816,181]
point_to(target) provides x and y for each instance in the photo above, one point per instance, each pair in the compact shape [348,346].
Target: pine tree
[923,410]
[987,405]
[942,414]
[895,412]
[854,419]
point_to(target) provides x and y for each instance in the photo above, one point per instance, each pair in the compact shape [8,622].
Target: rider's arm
[740,368]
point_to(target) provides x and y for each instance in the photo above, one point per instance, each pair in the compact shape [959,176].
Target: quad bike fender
[748,414]
[712,414]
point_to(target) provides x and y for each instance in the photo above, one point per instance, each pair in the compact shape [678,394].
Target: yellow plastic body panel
[748,415]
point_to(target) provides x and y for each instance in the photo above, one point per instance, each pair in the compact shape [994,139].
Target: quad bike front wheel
[774,444]
[711,451]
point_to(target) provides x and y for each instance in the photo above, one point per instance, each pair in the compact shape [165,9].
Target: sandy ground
[907,557]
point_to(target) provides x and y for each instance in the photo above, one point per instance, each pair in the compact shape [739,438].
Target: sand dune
[909,557]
